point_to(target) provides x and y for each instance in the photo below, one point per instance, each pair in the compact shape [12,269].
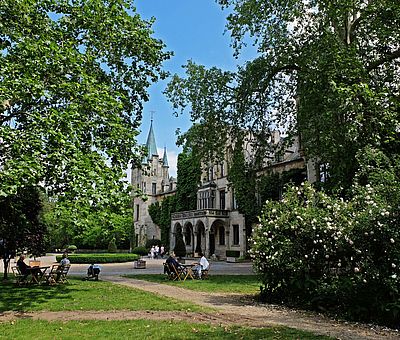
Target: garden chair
[62,273]
[20,279]
[204,273]
[52,275]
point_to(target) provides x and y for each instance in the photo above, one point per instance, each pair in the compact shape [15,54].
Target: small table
[189,271]
[37,273]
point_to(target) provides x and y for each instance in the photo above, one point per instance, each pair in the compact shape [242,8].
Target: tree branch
[389,57]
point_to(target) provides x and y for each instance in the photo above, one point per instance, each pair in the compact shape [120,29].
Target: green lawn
[85,295]
[243,284]
[140,329]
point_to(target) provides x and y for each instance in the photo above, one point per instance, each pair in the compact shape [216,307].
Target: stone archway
[218,239]
[188,237]
[175,230]
[200,238]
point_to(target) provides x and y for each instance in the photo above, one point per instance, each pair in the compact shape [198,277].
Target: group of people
[26,270]
[198,268]
[156,251]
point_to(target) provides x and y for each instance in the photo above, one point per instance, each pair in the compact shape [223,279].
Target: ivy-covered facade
[221,223]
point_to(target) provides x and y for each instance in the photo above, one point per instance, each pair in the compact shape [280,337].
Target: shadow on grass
[29,297]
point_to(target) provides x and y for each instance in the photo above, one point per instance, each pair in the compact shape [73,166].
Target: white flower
[394,276]
[273,211]
[356,270]
[393,265]
[391,240]
[306,256]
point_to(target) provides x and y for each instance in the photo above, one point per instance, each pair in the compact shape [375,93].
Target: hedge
[99,258]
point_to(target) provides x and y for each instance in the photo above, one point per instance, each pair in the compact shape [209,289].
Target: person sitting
[172,261]
[64,262]
[24,269]
[93,272]
[203,264]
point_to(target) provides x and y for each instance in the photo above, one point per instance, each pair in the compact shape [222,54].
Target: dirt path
[231,309]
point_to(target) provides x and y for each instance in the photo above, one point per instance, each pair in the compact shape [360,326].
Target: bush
[328,253]
[112,247]
[232,253]
[180,248]
[100,258]
[71,248]
[140,251]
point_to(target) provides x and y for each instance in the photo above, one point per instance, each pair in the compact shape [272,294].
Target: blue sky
[192,29]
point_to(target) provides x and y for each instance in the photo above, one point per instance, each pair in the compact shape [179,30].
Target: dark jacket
[23,267]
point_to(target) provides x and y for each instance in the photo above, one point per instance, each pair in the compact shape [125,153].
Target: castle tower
[152,178]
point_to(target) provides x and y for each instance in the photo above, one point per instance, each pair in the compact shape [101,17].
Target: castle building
[216,228]
[154,181]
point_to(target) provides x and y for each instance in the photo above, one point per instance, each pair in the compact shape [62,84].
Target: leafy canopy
[328,70]
[73,77]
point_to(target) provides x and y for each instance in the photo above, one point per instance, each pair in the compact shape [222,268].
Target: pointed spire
[165,159]
[151,142]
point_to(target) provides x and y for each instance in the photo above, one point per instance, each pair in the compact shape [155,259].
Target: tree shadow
[30,297]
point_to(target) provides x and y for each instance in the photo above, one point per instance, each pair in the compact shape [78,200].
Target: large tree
[21,226]
[73,77]
[329,70]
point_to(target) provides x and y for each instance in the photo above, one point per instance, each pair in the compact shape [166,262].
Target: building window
[137,212]
[222,170]
[144,187]
[235,234]
[222,199]
[221,236]
[153,188]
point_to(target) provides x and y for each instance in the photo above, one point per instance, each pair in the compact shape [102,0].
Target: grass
[141,329]
[242,284]
[85,295]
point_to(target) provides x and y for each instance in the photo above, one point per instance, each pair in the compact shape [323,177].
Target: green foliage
[74,76]
[180,247]
[143,251]
[232,253]
[71,248]
[188,178]
[318,74]
[100,258]
[89,226]
[333,254]
[112,247]
[21,227]
[161,215]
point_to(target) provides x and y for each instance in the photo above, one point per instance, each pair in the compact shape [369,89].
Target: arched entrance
[188,237]
[200,236]
[217,239]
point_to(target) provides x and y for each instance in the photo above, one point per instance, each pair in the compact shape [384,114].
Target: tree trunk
[6,262]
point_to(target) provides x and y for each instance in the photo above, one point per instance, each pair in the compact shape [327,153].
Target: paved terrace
[153,266]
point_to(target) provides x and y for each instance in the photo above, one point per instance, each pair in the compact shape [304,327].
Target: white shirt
[64,262]
[204,263]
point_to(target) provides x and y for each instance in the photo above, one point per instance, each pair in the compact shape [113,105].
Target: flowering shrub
[335,254]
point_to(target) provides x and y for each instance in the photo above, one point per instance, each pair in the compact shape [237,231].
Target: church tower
[153,179]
